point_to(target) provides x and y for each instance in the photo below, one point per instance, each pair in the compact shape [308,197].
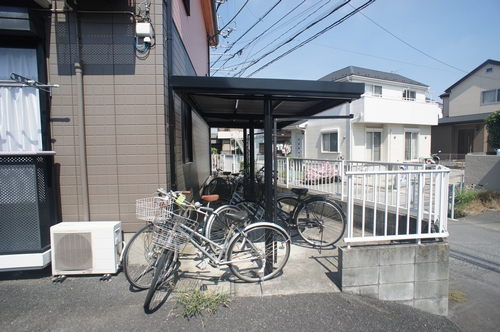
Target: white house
[391,121]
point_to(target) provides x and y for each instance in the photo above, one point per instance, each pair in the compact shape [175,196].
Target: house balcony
[394,111]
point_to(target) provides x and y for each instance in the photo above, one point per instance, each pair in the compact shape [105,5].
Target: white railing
[226,162]
[316,174]
[383,201]
[397,205]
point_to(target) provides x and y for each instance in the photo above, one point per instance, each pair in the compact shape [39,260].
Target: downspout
[171,110]
[82,141]
[81,125]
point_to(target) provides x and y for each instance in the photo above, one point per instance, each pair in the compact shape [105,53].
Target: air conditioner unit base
[86,247]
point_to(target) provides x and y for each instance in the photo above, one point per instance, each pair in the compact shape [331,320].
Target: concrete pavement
[304,298]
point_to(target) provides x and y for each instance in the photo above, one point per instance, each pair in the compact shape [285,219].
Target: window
[491,96]
[411,145]
[330,142]
[409,94]
[489,70]
[187,133]
[373,90]
[373,145]
[20,114]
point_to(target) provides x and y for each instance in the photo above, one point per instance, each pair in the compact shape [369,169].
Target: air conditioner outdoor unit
[86,247]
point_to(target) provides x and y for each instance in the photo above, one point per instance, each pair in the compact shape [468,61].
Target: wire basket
[150,208]
[168,233]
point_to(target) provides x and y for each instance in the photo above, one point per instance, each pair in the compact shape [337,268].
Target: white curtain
[20,126]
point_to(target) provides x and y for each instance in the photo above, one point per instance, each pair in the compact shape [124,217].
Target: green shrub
[464,198]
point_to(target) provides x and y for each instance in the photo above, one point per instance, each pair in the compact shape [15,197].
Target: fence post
[452,202]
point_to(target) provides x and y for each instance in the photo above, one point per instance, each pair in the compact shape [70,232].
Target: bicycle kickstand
[261,279]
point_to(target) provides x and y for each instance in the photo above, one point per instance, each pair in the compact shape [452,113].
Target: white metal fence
[383,201]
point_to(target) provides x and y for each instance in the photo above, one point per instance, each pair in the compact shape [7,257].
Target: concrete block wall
[413,274]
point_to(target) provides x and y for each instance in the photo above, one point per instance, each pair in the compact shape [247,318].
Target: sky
[434,42]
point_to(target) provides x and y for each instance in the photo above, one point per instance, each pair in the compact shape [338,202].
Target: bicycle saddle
[300,191]
[226,173]
[238,216]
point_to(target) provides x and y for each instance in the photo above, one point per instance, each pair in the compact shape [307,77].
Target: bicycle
[141,254]
[253,253]
[318,220]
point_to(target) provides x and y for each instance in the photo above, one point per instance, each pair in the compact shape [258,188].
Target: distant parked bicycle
[318,220]
[253,253]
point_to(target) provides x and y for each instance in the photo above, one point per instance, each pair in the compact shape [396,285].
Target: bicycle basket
[151,207]
[168,234]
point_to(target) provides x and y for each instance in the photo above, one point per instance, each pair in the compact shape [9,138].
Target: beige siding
[126,114]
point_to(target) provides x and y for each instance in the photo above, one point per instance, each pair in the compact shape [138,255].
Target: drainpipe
[171,106]
[82,142]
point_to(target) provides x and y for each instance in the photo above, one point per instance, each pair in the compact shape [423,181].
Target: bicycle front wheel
[139,258]
[320,222]
[163,269]
[259,253]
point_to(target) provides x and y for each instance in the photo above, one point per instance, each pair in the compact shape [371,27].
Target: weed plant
[195,301]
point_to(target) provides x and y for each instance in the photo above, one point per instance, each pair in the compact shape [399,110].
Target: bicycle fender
[269,224]
[260,223]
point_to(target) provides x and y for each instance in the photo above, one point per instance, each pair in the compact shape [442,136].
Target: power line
[366,4]
[416,49]
[338,6]
[262,33]
[258,21]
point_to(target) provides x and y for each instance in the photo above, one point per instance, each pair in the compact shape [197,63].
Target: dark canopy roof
[232,102]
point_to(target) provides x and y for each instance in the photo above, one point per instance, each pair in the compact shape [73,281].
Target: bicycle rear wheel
[139,258]
[164,267]
[320,222]
[259,253]
[218,226]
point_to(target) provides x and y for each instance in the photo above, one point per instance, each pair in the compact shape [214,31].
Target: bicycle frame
[232,235]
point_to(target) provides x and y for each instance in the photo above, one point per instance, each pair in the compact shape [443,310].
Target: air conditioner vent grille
[73,251]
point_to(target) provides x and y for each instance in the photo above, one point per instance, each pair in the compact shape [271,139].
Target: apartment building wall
[126,105]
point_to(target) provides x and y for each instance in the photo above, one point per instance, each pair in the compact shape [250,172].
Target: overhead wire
[335,9]
[240,51]
[413,47]
[304,18]
[248,30]
[366,4]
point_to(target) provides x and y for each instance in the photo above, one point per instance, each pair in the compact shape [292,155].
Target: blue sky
[435,42]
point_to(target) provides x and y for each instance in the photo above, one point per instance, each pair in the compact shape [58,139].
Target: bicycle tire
[320,222]
[285,213]
[163,269]
[218,226]
[139,258]
[259,253]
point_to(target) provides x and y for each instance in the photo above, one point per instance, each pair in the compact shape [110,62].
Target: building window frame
[490,97]
[330,141]
[411,137]
[409,94]
[373,90]
[373,144]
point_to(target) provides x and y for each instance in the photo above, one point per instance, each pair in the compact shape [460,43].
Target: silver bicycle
[253,253]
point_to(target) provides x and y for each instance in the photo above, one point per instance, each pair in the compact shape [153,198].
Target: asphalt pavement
[305,297]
